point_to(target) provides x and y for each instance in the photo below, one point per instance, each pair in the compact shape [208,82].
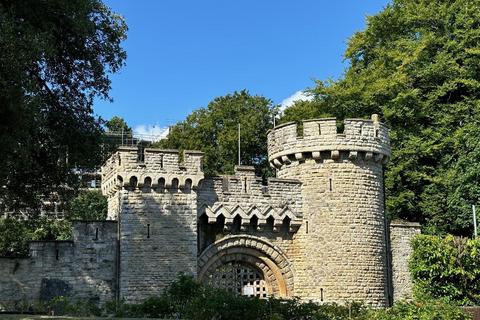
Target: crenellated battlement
[320,139]
[132,168]
[244,196]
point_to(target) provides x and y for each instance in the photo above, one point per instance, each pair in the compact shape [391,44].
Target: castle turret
[153,195]
[341,244]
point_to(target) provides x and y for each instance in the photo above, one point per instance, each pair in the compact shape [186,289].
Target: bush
[446,268]
[426,310]
[187,298]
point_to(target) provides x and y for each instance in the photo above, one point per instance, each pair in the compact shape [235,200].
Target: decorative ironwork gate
[241,279]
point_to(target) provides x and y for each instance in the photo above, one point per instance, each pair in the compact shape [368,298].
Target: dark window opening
[376,133]
[188,186]
[245,185]
[96,233]
[306,227]
[148,230]
[174,184]
[147,184]
[269,226]
[133,182]
[161,185]
[330,184]
[237,223]
[56,254]
[161,161]
[286,225]
[254,223]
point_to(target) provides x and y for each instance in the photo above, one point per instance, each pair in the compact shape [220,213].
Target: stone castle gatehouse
[317,231]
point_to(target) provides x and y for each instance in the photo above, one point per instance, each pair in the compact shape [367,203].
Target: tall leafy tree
[417,64]
[56,57]
[214,130]
[88,205]
[117,124]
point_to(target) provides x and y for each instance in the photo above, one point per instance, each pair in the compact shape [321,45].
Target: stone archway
[250,257]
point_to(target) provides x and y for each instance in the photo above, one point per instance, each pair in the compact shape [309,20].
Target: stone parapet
[151,168]
[244,196]
[321,139]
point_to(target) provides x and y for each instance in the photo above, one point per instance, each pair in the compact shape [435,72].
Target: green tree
[56,57]
[117,124]
[16,233]
[417,64]
[88,205]
[214,130]
[446,268]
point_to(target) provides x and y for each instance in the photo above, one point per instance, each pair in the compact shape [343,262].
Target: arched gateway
[247,265]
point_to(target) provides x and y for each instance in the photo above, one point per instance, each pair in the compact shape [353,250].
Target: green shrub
[63,306]
[187,298]
[426,310]
[446,268]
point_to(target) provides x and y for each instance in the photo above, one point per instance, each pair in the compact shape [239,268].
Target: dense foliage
[421,310]
[417,64]
[446,268]
[88,205]
[56,57]
[186,298]
[214,130]
[117,124]
[17,232]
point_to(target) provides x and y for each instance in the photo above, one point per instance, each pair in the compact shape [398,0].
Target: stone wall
[244,195]
[340,249]
[83,268]
[401,234]
[158,240]
[289,141]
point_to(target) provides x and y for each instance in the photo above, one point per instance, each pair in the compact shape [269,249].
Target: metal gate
[241,279]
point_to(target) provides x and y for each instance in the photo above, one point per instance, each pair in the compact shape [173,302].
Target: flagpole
[239,162]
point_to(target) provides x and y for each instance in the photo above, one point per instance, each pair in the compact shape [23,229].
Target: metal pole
[239,161]
[474,221]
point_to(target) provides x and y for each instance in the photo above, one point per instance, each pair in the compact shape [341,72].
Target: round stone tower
[340,249]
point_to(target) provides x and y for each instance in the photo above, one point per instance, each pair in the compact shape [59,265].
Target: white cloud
[150,132]
[299,95]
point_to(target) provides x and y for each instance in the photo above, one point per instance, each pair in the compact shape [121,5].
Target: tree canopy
[214,130]
[56,57]
[417,64]
[117,124]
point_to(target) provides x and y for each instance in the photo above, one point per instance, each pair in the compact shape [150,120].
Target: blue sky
[182,54]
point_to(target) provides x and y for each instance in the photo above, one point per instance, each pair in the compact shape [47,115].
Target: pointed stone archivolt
[251,251]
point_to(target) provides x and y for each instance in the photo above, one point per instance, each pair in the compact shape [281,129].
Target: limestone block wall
[83,268]
[158,240]
[340,249]
[288,141]
[401,234]
[244,195]
[132,167]
[252,210]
